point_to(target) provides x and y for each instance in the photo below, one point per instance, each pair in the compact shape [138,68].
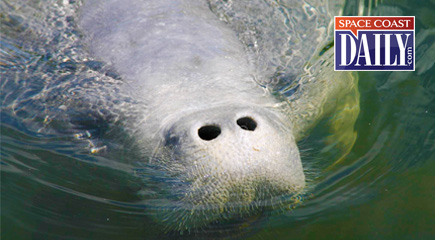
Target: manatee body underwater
[214,112]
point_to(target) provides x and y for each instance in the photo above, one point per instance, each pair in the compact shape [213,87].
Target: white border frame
[382,70]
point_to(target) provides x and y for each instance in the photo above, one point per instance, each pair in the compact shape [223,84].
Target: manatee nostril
[209,132]
[247,123]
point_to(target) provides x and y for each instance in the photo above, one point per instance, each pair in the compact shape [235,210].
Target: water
[52,187]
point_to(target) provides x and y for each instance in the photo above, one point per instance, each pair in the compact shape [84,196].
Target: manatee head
[227,162]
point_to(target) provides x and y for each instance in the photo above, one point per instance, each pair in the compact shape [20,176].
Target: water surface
[54,187]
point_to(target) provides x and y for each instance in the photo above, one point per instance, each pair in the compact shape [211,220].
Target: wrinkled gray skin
[192,71]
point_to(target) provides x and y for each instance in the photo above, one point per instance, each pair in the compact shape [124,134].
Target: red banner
[373,23]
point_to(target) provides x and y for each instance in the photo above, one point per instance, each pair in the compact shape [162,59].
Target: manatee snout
[232,158]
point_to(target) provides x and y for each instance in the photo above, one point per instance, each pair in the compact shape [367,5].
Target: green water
[385,186]
[382,189]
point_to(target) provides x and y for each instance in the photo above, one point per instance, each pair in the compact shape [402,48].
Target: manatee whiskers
[189,217]
[201,196]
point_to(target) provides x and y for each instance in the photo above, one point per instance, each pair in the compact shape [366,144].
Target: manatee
[215,132]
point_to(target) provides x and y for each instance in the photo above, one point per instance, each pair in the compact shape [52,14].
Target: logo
[374,44]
